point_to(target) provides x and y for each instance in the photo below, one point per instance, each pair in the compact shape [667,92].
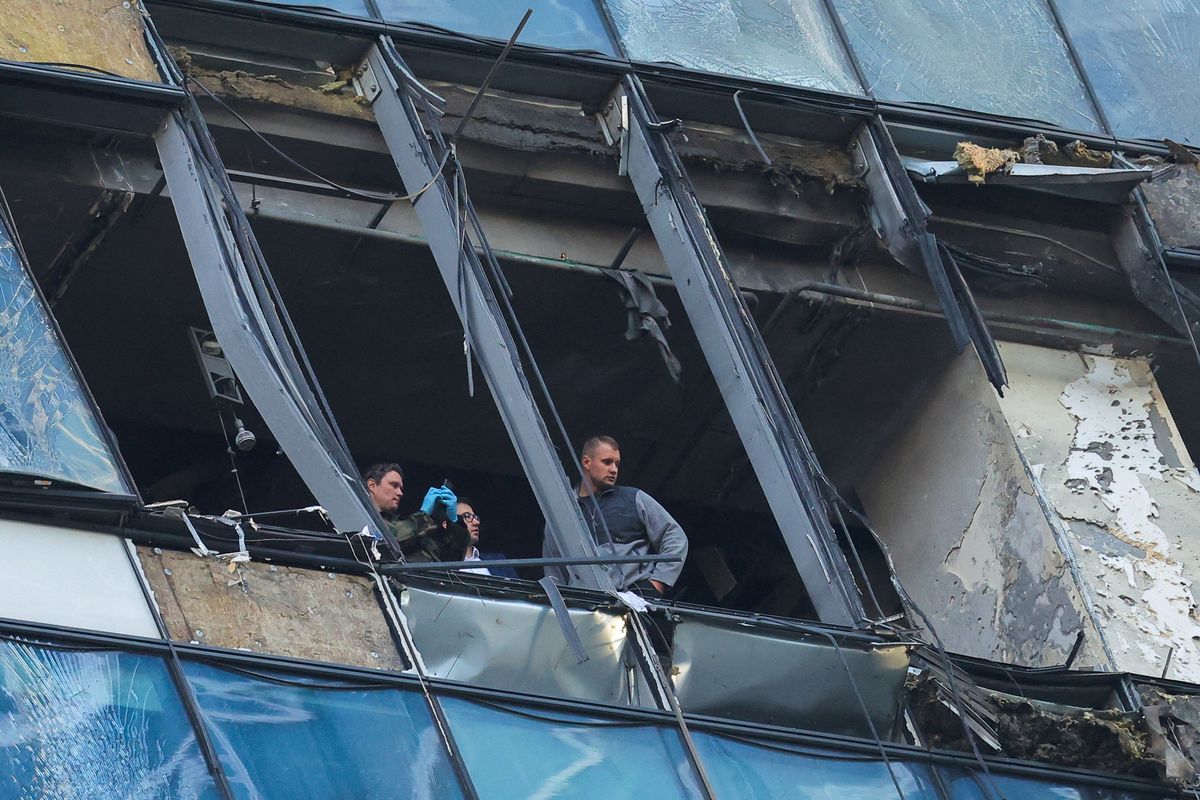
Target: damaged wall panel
[103,34]
[1114,467]
[287,611]
[953,503]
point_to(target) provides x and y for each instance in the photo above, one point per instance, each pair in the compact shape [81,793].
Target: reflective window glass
[94,725]
[519,753]
[1003,58]
[786,41]
[47,427]
[302,738]
[757,770]
[1142,59]
[974,785]
[562,24]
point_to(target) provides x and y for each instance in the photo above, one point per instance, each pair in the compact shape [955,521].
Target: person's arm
[666,538]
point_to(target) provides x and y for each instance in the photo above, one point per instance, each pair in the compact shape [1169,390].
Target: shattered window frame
[57,429]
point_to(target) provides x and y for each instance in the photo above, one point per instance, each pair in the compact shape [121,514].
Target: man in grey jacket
[625,521]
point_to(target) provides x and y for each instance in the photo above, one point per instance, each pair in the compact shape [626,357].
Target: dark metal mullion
[373,10]
[1077,62]
[844,39]
[186,694]
[610,27]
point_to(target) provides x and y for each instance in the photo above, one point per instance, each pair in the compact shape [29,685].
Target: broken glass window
[761,771]
[999,58]
[786,41]
[562,24]
[80,724]
[270,730]
[529,752]
[974,785]
[47,427]
[1142,59]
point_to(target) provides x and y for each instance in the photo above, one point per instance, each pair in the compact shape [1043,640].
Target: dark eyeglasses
[470,516]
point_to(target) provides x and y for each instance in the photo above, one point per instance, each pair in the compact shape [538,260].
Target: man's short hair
[375,472]
[589,447]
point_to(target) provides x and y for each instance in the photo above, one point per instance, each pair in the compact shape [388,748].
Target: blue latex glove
[440,495]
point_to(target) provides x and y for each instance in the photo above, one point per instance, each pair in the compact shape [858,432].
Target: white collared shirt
[474,556]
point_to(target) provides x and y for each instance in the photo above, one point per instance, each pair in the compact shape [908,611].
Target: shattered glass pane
[77,725]
[527,752]
[1003,58]
[1142,59]
[739,768]
[47,427]
[270,729]
[562,24]
[786,41]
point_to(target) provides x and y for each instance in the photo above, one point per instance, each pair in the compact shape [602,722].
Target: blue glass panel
[77,724]
[786,41]
[997,56]
[517,754]
[562,24]
[291,737]
[1142,57]
[47,427]
[973,785]
[761,771]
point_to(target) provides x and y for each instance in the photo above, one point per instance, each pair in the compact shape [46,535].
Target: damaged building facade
[894,306]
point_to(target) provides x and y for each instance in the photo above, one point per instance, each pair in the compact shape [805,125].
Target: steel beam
[753,392]
[398,105]
[215,258]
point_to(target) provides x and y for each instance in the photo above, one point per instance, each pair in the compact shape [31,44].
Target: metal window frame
[393,680]
[421,157]
[745,374]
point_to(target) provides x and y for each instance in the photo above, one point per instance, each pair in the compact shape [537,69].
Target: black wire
[271,677]
[521,711]
[366,195]
[66,647]
[746,124]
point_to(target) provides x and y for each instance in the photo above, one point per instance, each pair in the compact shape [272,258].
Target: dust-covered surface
[1106,740]
[105,35]
[320,616]
[950,498]
[979,162]
[1174,206]
[1098,432]
[337,98]
[1173,726]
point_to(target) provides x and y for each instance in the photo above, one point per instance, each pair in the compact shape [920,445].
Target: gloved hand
[440,495]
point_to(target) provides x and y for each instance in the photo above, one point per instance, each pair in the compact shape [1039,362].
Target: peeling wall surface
[104,34]
[266,608]
[68,577]
[1098,432]
[954,505]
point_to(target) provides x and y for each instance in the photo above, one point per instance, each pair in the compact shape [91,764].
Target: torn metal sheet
[519,646]
[725,669]
[265,608]
[1085,183]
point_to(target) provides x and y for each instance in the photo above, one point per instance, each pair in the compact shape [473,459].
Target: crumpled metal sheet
[1142,59]
[47,427]
[790,679]
[1004,58]
[787,41]
[518,646]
